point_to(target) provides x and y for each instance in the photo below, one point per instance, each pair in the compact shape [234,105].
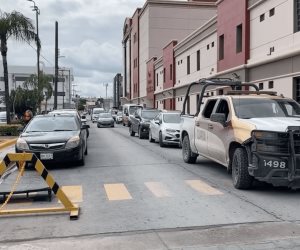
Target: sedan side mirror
[218,117]
[157,122]
[137,116]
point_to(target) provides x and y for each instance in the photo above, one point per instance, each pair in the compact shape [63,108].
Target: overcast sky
[90,35]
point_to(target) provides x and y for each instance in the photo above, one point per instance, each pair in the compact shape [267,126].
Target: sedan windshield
[171,118]
[55,123]
[132,109]
[105,115]
[149,114]
[258,108]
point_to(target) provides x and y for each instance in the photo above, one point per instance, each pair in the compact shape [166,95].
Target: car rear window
[55,123]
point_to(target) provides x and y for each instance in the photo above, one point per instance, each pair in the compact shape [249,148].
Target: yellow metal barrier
[21,158]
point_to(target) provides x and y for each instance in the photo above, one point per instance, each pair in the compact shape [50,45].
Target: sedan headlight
[73,142]
[22,144]
[169,130]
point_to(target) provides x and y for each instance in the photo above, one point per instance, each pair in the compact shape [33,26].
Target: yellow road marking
[158,189]
[74,193]
[202,187]
[117,192]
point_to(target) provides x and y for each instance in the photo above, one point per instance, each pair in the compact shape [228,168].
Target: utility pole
[106,85]
[56,65]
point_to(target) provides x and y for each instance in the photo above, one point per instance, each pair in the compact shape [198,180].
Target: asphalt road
[129,185]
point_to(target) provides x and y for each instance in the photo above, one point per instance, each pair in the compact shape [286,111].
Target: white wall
[143,51]
[275,31]
[208,62]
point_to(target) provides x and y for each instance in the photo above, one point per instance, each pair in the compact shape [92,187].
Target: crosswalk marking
[158,189]
[202,187]
[74,193]
[117,191]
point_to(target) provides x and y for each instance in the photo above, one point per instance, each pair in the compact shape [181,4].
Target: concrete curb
[8,143]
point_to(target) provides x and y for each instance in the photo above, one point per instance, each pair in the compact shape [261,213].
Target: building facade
[17,75]
[117,90]
[148,31]
[239,42]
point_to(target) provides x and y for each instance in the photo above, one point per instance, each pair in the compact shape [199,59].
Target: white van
[128,110]
[96,112]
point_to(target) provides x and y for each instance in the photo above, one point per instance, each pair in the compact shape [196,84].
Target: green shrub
[10,130]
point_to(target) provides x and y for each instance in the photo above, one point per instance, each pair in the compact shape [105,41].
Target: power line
[40,54]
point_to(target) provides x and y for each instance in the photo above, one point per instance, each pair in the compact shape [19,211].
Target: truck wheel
[131,132]
[150,136]
[161,143]
[240,175]
[187,154]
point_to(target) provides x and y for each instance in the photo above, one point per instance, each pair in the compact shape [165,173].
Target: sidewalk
[268,235]
[6,141]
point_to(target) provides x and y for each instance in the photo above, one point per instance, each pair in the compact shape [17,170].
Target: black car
[55,138]
[140,122]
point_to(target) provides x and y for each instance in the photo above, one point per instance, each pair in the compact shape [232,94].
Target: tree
[14,25]
[42,89]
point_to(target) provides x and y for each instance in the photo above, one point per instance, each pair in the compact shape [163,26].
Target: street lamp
[37,11]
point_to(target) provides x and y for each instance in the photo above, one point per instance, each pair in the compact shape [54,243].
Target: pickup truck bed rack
[205,83]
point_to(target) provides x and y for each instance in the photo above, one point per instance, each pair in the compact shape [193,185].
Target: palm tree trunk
[5,71]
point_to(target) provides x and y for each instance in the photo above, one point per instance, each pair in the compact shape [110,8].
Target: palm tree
[21,28]
[42,88]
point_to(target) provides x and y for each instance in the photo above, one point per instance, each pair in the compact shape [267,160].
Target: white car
[119,117]
[96,113]
[165,128]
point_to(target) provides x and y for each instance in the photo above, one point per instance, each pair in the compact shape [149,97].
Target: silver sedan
[165,128]
[105,120]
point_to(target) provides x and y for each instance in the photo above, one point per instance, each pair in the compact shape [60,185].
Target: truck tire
[240,175]
[187,154]
[132,133]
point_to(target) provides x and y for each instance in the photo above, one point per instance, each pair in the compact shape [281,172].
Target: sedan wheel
[150,137]
[140,133]
[131,132]
[161,143]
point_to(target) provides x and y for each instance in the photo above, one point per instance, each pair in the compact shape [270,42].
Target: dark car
[105,120]
[140,122]
[55,138]
[74,112]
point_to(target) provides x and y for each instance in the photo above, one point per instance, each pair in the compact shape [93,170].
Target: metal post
[56,65]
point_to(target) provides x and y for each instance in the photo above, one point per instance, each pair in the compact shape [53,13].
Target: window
[297,15]
[271,84]
[261,85]
[156,79]
[171,71]
[134,38]
[223,108]
[164,75]
[212,93]
[178,62]
[239,38]
[198,60]
[262,17]
[221,47]
[296,94]
[188,69]
[207,46]
[209,107]
[221,92]
[272,12]
[213,44]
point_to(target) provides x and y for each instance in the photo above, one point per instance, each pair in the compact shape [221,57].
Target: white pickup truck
[254,134]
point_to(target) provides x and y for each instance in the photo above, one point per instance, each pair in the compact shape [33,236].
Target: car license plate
[46,156]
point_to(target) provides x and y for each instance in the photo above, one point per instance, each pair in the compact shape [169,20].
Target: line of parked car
[153,124]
